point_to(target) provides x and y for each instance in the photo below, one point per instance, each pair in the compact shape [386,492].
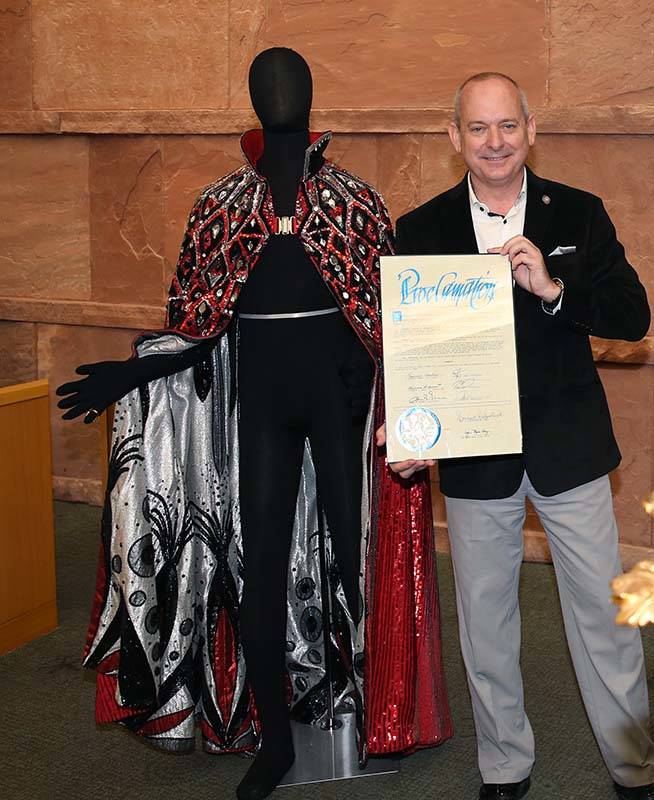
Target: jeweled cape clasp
[285,226]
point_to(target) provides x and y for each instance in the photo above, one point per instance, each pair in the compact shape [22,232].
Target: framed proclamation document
[450,372]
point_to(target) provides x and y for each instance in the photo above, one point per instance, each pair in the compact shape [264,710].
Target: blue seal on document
[418,429]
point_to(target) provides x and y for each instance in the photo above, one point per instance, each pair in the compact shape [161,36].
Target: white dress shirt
[492,230]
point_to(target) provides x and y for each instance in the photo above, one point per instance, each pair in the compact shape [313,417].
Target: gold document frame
[451,381]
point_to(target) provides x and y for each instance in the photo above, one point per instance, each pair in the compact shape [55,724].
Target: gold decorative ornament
[633,591]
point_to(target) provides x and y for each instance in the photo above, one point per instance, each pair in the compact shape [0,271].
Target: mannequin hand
[106,382]
[529,270]
[405,469]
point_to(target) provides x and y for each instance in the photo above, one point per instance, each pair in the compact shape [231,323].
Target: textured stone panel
[127,224]
[630,392]
[390,54]
[190,164]
[626,120]
[79,312]
[30,122]
[614,350]
[441,167]
[246,20]
[601,52]
[357,153]
[122,55]
[619,170]
[15,55]
[399,172]
[17,352]
[44,216]
[76,446]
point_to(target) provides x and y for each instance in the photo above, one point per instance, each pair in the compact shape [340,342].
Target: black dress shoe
[504,791]
[634,792]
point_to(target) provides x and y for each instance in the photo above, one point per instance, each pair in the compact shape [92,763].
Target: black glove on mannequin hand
[108,381]
[357,375]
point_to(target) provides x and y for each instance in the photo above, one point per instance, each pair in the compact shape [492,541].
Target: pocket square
[563,251]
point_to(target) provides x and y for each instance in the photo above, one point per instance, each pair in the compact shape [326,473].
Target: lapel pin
[546,199]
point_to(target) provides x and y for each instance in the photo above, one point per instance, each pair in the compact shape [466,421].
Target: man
[571,280]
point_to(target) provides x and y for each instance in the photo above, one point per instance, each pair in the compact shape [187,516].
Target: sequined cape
[164,634]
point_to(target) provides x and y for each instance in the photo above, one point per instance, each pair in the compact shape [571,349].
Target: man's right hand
[405,469]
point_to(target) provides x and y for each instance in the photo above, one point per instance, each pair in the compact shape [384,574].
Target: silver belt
[297,315]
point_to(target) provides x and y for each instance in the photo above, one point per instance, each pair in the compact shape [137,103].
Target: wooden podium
[28,601]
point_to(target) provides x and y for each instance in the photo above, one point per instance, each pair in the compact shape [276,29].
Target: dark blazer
[567,434]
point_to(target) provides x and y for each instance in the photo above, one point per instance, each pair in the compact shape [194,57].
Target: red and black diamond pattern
[340,219]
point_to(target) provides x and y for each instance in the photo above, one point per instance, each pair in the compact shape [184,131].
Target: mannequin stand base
[331,755]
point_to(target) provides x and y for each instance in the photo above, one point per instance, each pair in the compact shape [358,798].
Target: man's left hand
[529,270]
[405,469]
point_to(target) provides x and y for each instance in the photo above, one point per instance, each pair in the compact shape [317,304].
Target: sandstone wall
[113,115]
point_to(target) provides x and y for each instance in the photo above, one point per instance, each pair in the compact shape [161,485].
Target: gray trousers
[487,548]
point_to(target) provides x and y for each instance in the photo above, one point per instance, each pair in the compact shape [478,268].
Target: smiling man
[571,280]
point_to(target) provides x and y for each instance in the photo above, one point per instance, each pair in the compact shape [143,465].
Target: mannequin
[272,440]
[302,389]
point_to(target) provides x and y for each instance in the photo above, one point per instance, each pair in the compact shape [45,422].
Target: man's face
[493,137]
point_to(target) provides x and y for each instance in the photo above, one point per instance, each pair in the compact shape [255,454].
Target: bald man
[571,280]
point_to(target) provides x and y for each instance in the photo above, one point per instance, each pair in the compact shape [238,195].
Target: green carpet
[50,747]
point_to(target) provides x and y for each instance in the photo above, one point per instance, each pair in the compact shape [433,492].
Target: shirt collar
[478,206]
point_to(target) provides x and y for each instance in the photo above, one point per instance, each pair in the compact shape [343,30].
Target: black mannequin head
[281,90]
